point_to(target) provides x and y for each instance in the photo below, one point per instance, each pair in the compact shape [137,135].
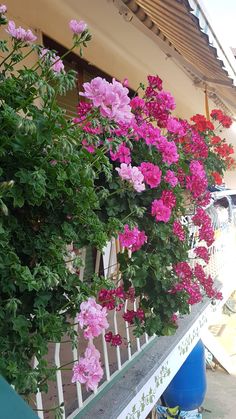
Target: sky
[223,14]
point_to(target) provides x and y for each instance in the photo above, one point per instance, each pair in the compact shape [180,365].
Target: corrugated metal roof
[175,20]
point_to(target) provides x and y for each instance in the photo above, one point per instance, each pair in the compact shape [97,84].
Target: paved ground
[221,394]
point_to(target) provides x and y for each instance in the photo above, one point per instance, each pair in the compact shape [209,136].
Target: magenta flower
[160,211]
[151,173]
[3,9]
[132,239]
[176,127]
[78,26]
[202,253]
[178,230]
[183,271]
[88,370]
[169,199]
[171,178]
[122,154]
[92,318]
[137,103]
[19,33]
[168,150]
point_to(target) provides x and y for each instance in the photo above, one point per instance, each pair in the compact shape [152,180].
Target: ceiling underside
[173,20]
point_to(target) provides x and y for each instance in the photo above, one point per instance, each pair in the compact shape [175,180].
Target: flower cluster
[122,154]
[178,230]
[114,340]
[111,98]
[224,120]
[130,315]
[88,369]
[92,318]
[78,27]
[133,175]
[20,34]
[53,60]
[203,221]
[132,239]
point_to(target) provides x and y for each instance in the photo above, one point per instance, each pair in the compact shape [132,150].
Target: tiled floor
[220,400]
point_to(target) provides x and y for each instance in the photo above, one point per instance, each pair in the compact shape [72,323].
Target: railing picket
[38,397]
[59,379]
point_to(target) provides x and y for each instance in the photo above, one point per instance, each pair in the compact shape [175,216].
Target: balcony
[137,373]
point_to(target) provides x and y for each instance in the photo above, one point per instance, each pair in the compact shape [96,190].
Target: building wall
[118,47]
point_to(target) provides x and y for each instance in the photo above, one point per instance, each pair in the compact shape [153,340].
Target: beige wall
[118,47]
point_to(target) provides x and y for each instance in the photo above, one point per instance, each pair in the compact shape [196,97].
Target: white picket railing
[73,396]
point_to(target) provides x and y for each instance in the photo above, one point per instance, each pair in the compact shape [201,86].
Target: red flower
[116,340]
[201,123]
[108,336]
[215,140]
[217,178]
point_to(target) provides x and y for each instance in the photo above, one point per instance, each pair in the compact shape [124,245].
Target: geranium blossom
[3,9]
[19,33]
[77,26]
[160,211]
[169,199]
[132,239]
[178,230]
[133,175]
[92,318]
[169,150]
[56,64]
[88,370]
[122,154]
[111,98]
[171,178]
[151,173]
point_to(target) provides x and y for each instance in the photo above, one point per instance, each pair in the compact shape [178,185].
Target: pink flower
[88,370]
[160,211]
[57,64]
[202,253]
[111,98]
[122,154]
[132,239]
[169,199]
[19,33]
[178,230]
[89,147]
[171,178]
[52,59]
[3,9]
[132,175]
[78,26]
[92,317]
[151,173]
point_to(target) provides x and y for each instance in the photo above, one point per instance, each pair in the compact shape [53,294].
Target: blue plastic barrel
[188,387]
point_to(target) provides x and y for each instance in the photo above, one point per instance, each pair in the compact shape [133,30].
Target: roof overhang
[189,43]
